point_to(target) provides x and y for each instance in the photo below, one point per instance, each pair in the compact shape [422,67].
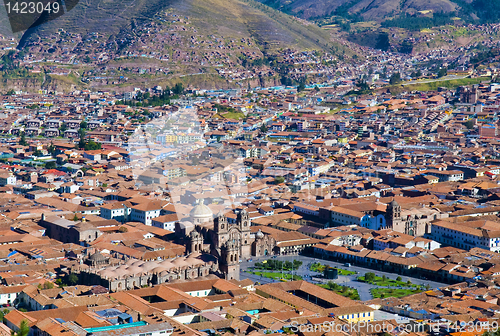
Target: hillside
[228,18]
[205,43]
[366,9]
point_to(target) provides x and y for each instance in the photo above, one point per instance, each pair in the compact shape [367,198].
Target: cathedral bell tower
[393,214]
[243,220]
[196,242]
[220,223]
[230,265]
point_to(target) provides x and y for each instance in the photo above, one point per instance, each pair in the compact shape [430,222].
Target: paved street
[349,280]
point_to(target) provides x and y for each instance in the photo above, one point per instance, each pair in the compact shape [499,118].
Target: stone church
[230,243]
[413,222]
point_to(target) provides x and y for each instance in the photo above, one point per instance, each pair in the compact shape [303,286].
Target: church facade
[230,243]
[413,222]
[213,246]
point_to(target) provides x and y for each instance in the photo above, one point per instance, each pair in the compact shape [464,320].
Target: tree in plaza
[297,264]
[369,277]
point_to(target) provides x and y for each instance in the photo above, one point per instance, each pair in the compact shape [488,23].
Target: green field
[351,293]
[318,267]
[392,292]
[277,275]
[386,282]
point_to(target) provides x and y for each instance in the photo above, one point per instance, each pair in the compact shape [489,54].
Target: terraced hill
[230,18]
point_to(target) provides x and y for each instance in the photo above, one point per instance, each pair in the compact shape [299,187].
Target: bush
[369,277]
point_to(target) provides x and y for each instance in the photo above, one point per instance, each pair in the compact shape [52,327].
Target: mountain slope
[228,18]
[204,43]
[368,9]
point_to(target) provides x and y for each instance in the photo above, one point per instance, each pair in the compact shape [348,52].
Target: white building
[166,222]
[343,216]
[466,235]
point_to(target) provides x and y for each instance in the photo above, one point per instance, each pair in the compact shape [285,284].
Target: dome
[201,213]
[393,204]
[259,234]
[97,257]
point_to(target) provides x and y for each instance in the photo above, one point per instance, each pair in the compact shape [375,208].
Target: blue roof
[112,312]
[115,327]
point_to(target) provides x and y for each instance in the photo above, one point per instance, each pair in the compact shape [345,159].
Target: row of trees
[417,22]
[277,265]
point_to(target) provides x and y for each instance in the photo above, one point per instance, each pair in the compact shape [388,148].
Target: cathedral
[414,221]
[230,243]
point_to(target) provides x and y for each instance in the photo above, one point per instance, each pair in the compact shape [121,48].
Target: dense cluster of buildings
[125,220]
